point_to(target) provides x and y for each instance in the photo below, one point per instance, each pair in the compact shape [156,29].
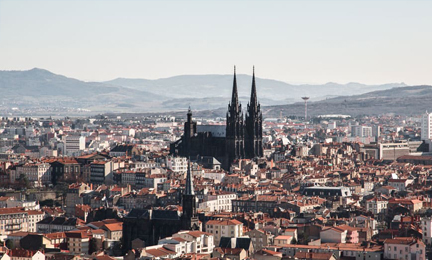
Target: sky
[372,42]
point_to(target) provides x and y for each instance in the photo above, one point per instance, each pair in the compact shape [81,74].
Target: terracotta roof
[22,253]
[159,252]
[229,222]
[401,241]
[310,255]
[114,226]
[55,235]
[4,211]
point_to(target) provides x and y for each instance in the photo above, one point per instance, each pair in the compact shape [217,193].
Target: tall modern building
[361,131]
[241,138]
[426,128]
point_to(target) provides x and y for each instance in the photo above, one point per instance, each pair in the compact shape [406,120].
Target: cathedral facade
[240,139]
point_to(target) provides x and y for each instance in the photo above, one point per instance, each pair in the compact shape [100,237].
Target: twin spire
[253,99]
[234,99]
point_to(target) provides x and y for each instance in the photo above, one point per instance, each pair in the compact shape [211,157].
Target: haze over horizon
[370,42]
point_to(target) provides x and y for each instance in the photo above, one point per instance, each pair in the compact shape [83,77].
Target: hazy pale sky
[294,41]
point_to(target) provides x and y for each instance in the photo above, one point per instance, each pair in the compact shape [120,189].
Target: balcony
[13,227]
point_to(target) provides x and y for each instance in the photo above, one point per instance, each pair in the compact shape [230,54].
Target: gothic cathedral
[243,134]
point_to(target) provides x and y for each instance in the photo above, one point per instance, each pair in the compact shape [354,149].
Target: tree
[23,181]
[93,246]
[9,244]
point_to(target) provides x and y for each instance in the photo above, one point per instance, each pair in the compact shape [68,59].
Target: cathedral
[241,138]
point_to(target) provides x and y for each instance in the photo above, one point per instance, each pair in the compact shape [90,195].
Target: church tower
[234,127]
[253,127]
[189,218]
[190,129]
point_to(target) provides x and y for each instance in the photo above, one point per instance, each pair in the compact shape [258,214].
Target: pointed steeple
[189,182]
[253,100]
[234,99]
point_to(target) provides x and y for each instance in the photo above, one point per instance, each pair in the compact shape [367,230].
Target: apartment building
[73,196]
[38,174]
[224,228]
[218,201]
[78,241]
[186,242]
[101,171]
[34,216]
[377,206]
[12,220]
[260,238]
[426,226]
[404,248]
[177,164]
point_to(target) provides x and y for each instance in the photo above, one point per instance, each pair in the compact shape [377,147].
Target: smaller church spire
[189,181]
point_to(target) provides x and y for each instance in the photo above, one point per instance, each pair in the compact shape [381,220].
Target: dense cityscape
[215,130]
[240,187]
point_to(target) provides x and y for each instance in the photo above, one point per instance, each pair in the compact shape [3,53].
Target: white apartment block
[218,202]
[34,216]
[186,242]
[376,206]
[177,164]
[224,228]
[361,131]
[74,144]
[426,226]
[12,220]
[426,127]
[27,205]
[214,175]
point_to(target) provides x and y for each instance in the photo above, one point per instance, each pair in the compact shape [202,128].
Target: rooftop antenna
[305,101]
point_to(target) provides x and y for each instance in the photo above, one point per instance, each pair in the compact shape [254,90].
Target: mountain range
[412,100]
[37,88]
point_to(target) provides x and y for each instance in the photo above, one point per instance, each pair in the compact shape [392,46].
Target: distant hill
[403,101]
[189,89]
[41,88]
[38,88]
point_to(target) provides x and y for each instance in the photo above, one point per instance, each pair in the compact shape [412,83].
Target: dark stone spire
[253,125]
[253,100]
[234,128]
[234,99]
[189,190]
[189,217]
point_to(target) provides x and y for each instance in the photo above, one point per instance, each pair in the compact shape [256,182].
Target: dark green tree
[23,181]
[9,244]
[93,246]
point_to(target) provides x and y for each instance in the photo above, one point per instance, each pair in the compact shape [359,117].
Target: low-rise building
[404,248]
[224,228]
